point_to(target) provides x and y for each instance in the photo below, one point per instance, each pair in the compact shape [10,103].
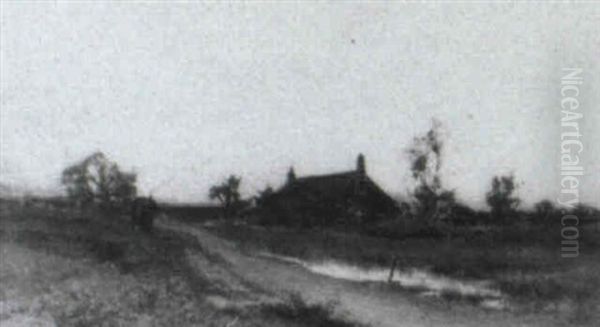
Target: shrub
[296,310]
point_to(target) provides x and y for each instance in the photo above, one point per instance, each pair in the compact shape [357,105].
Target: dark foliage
[96,179]
[227,193]
[501,198]
[296,310]
[143,212]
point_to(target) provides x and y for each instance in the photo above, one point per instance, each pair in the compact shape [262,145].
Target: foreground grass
[65,268]
[84,272]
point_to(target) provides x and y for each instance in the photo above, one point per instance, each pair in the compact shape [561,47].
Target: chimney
[291,176]
[360,164]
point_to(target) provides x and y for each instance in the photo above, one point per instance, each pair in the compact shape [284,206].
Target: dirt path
[374,304]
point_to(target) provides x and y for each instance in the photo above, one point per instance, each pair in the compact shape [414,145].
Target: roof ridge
[349,172]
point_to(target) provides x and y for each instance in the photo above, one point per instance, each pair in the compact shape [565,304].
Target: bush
[296,310]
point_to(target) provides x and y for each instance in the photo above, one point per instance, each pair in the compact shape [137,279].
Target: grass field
[89,268]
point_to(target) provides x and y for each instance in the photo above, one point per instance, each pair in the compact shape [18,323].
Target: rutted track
[371,303]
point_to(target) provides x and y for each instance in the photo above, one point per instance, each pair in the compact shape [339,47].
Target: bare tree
[433,201]
[97,179]
[227,193]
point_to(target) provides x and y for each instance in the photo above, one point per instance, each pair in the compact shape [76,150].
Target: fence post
[392,269]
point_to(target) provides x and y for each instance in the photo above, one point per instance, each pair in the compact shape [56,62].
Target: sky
[185,94]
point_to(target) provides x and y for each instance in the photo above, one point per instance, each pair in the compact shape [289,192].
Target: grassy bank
[89,268]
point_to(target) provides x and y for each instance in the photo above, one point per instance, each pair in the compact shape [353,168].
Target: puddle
[432,284]
[495,304]
[209,224]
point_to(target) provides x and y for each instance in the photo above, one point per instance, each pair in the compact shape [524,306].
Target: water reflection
[428,283]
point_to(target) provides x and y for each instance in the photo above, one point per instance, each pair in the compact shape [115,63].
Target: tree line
[96,179]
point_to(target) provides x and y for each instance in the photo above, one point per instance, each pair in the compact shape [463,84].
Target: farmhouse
[349,197]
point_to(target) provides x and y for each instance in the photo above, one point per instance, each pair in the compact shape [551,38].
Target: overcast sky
[186,94]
